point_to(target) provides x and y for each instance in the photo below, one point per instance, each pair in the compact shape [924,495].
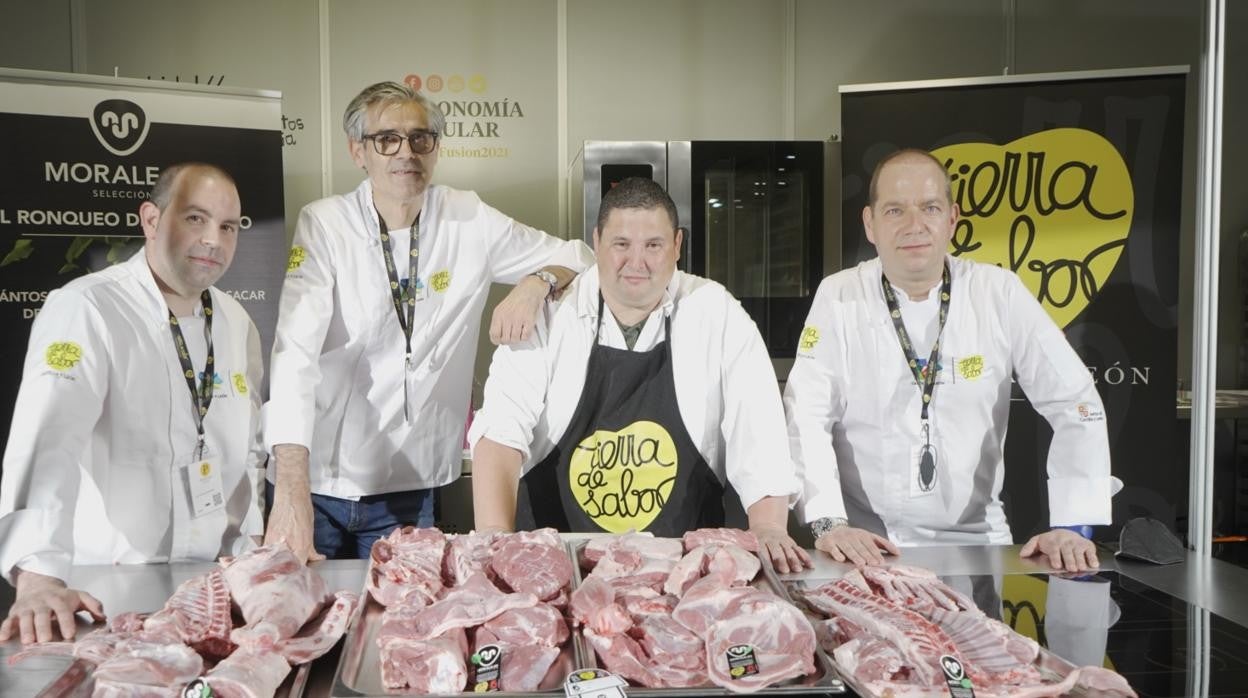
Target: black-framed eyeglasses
[388,142]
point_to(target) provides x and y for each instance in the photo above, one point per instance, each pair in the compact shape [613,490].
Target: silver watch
[550,279]
[818,527]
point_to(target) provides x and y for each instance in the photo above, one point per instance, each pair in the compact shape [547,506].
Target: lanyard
[201,397]
[404,298]
[926,382]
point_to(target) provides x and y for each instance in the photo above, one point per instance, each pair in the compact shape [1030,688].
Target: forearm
[563,274]
[291,468]
[495,477]
[769,512]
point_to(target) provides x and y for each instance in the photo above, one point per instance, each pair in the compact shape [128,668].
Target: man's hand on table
[45,606]
[1064,550]
[856,546]
[785,554]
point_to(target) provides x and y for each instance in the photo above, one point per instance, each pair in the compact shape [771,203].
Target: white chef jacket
[103,428]
[725,386]
[853,409]
[338,369]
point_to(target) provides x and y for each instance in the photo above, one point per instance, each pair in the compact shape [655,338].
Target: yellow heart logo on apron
[622,479]
[1055,206]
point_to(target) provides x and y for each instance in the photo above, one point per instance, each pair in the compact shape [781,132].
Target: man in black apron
[625,457]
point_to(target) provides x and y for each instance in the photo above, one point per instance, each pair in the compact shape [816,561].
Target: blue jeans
[347,529]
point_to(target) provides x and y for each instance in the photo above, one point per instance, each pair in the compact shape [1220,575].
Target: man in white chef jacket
[377,332]
[135,436]
[642,394]
[894,454]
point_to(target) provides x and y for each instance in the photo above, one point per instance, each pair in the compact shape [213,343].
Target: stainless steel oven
[755,212]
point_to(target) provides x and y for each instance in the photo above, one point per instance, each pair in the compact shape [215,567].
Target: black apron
[626,460]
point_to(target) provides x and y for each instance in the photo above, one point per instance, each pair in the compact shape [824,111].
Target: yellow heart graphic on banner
[1055,207]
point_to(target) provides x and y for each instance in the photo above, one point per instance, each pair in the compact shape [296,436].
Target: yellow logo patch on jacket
[297,255]
[810,337]
[62,356]
[971,368]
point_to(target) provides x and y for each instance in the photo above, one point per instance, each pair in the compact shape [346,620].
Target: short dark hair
[873,193]
[162,190]
[637,192]
[388,93]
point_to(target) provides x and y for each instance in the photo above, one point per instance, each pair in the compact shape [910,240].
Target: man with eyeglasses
[136,431]
[900,394]
[377,332]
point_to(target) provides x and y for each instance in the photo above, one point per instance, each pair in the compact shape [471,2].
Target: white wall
[648,69]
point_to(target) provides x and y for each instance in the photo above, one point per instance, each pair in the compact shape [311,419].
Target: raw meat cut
[721,536]
[270,584]
[653,619]
[146,664]
[780,638]
[322,633]
[729,562]
[248,674]
[710,600]
[593,606]
[919,640]
[197,614]
[643,544]
[474,603]
[536,625]
[891,625]
[541,570]
[435,665]
[669,643]
[524,667]
[542,536]
[467,555]
[406,567]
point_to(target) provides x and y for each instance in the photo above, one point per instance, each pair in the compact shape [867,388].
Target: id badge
[207,492]
[421,292]
[923,476]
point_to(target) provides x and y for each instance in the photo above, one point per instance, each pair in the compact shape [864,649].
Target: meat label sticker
[593,683]
[489,663]
[741,661]
[955,677]
[198,688]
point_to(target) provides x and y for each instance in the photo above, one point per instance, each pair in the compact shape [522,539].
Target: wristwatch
[818,527]
[550,279]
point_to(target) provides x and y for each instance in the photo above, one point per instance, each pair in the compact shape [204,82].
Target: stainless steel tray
[359,667]
[78,681]
[825,680]
[1051,666]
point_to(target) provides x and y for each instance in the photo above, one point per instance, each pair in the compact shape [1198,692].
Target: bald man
[135,434]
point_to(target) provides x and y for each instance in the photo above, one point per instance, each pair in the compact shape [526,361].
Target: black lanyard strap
[927,383]
[201,396]
[404,298]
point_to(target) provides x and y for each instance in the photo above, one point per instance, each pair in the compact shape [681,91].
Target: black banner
[81,156]
[1074,182]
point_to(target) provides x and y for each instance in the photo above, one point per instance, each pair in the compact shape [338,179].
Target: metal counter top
[1216,586]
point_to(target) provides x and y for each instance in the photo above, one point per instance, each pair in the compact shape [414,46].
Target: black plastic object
[1151,541]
